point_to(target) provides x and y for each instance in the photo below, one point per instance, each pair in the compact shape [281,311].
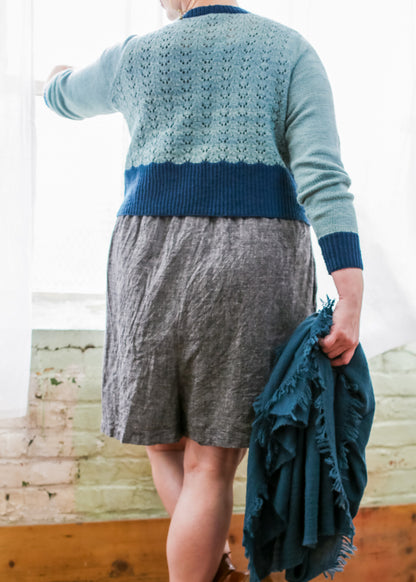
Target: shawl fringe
[307,380]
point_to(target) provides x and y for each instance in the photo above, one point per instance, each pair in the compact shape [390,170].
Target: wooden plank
[135,550]
[129,550]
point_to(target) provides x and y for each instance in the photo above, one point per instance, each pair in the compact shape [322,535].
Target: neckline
[200,10]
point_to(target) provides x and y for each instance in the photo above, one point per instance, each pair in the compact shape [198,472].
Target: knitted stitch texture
[230,114]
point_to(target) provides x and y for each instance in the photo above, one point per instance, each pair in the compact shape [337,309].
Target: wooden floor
[134,550]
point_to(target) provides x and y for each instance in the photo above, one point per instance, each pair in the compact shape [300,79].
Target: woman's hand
[56,70]
[339,345]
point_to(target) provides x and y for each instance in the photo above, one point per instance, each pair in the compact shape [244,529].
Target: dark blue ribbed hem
[211,189]
[200,10]
[341,250]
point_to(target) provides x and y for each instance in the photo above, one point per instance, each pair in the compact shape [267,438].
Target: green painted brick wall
[56,466]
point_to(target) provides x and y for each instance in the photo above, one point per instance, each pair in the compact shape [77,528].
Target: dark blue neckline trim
[200,10]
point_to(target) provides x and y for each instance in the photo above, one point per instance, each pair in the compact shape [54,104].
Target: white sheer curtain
[17,167]
[368,49]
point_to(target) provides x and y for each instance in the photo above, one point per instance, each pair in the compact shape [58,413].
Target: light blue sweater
[230,114]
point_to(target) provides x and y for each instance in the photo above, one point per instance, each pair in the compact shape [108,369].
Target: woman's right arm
[314,157]
[339,345]
[322,184]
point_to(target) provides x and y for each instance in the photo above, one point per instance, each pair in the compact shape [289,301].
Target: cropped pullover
[230,114]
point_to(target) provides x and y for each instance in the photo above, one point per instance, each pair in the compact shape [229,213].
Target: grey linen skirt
[195,307]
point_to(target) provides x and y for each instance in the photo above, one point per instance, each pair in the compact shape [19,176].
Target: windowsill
[68,311]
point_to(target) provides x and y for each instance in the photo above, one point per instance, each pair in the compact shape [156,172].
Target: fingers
[338,346]
[344,358]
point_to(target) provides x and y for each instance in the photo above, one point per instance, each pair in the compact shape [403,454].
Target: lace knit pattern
[230,114]
[198,112]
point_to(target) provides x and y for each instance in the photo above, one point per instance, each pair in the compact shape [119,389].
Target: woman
[234,155]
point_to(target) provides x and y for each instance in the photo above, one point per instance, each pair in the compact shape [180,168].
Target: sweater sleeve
[313,147]
[86,92]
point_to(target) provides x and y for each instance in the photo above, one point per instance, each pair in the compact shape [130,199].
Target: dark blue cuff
[341,250]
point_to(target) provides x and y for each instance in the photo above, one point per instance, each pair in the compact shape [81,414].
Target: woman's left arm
[56,70]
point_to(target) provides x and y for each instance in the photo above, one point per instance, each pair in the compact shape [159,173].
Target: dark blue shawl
[306,467]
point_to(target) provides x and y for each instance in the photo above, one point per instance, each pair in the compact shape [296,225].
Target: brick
[52,472]
[375,364]
[136,513]
[394,384]
[54,340]
[56,348]
[21,422]
[97,444]
[55,414]
[93,361]
[119,499]
[384,459]
[37,505]
[393,482]
[87,444]
[111,447]
[399,360]
[90,387]
[396,408]
[120,471]
[239,492]
[13,474]
[115,480]
[87,417]
[51,443]
[13,444]
[92,381]
[55,360]
[58,386]
[392,433]
[241,471]
[388,499]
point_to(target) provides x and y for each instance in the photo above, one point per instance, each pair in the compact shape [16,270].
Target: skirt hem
[153,438]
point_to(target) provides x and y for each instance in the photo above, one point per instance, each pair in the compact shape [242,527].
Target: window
[79,164]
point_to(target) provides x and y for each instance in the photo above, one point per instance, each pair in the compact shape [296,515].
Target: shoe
[227,572]
[238,576]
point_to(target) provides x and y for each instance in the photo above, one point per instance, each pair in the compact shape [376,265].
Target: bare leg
[201,518]
[167,470]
